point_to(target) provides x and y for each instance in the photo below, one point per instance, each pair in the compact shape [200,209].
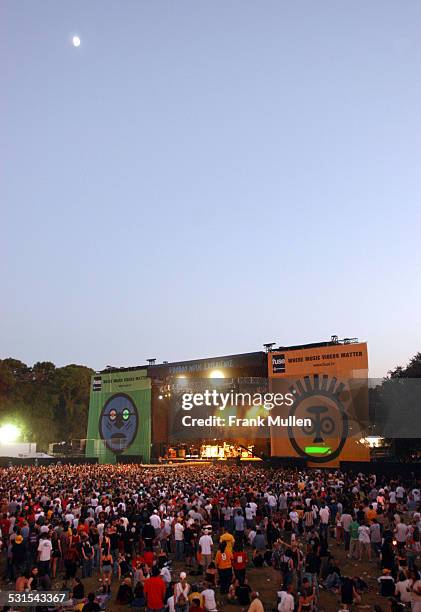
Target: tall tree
[401,394]
[49,404]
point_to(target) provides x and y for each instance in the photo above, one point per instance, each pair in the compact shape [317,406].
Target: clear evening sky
[201,177]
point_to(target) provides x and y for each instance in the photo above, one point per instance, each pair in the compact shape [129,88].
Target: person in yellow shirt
[256,605]
[228,538]
[195,595]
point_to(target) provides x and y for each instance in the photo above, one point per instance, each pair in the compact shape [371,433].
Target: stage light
[182,380]
[160,397]
[372,441]
[9,433]
[216,374]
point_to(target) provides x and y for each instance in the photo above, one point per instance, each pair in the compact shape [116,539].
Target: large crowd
[194,538]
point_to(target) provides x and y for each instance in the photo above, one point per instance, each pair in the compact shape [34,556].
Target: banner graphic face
[119,421]
[329,412]
[329,385]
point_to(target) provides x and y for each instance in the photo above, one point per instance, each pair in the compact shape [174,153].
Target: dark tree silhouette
[49,404]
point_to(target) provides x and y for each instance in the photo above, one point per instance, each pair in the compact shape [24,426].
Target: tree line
[398,398]
[47,403]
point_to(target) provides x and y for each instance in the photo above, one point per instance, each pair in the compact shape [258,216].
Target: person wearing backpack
[286,567]
[181,594]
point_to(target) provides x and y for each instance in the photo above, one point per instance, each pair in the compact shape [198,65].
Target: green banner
[119,420]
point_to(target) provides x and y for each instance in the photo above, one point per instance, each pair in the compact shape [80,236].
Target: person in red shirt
[82,528]
[5,527]
[154,591]
[30,516]
[137,561]
[20,521]
[148,557]
[239,562]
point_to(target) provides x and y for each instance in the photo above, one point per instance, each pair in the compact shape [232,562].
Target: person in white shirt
[205,545]
[249,516]
[364,541]
[392,498]
[286,603]
[416,494]
[44,555]
[171,604]
[403,589]
[400,493]
[293,515]
[209,602]
[250,536]
[272,502]
[324,514]
[166,529]
[166,574]
[401,533]
[181,592]
[155,521]
[179,540]
[76,511]
[415,594]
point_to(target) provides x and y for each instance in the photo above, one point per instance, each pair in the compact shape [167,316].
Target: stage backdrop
[330,386]
[119,421]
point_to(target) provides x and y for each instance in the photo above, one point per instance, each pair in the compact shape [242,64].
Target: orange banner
[329,384]
[345,359]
